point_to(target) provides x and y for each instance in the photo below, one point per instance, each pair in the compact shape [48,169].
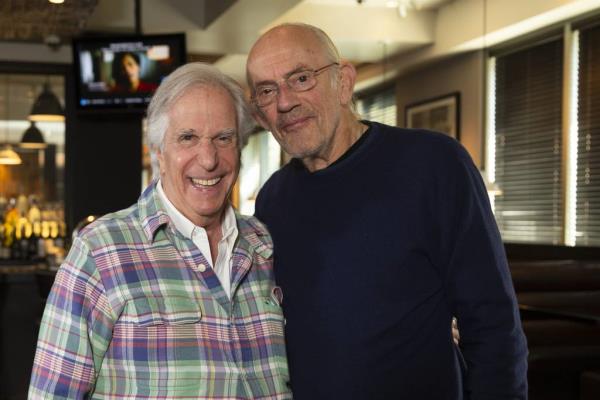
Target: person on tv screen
[126,74]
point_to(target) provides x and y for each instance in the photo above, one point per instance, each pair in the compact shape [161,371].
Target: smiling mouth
[205,182]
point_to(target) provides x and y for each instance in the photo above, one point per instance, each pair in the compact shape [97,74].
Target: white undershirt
[198,235]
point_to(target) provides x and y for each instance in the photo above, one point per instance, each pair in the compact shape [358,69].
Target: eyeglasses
[300,81]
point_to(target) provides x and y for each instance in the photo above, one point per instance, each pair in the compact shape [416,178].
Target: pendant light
[47,107]
[33,138]
[7,155]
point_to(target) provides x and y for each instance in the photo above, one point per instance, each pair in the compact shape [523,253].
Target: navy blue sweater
[374,255]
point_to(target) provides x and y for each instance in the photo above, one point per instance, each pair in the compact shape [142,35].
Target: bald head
[291,36]
[309,89]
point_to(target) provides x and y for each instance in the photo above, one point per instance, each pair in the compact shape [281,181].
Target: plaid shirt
[136,312]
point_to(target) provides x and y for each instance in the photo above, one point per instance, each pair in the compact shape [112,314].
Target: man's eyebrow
[297,69]
[185,131]
[227,131]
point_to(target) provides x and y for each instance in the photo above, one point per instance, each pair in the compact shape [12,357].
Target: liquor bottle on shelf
[23,240]
[31,229]
[4,250]
[8,240]
[10,222]
[33,213]
[41,248]
[15,247]
[22,205]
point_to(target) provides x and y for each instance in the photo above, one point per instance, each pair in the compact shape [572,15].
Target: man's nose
[286,98]
[208,155]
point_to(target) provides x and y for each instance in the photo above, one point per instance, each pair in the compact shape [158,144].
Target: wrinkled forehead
[280,52]
[200,101]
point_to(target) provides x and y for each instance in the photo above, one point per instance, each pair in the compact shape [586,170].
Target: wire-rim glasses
[299,81]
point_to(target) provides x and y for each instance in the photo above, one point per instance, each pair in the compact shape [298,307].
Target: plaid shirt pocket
[148,311]
[160,344]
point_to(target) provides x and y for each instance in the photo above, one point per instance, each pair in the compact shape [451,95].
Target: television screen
[123,72]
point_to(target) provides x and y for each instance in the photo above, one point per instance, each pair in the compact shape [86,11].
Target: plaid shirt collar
[153,214]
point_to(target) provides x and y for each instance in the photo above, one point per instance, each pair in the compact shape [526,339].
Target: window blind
[379,106]
[528,120]
[588,139]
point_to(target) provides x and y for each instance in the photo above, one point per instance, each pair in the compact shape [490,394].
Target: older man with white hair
[173,297]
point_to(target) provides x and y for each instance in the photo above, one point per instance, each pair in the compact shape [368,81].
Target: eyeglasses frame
[315,73]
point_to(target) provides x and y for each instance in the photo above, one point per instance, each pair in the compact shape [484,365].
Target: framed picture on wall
[441,114]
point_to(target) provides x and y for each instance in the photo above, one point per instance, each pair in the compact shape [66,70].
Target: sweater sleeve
[479,288]
[75,331]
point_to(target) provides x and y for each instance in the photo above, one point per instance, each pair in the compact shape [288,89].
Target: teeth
[206,182]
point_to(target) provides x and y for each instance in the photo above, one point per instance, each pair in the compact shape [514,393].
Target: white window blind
[528,142]
[379,106]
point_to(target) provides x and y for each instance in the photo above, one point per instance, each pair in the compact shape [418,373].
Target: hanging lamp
[8,156]
[33,138]
[47,107]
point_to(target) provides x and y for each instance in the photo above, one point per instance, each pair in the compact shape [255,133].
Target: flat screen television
[122,73]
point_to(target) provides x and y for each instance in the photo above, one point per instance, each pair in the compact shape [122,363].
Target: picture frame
[440,114]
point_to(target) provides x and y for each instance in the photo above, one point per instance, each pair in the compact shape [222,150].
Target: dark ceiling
[42,21]
[39,21]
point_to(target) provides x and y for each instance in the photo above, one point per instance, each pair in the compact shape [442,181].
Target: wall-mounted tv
[122,73]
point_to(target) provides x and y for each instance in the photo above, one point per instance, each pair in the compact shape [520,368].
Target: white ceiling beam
[460,27]
[364,34]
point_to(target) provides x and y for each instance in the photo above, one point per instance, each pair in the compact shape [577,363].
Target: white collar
[186,227]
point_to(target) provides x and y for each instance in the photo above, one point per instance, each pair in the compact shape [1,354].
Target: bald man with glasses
[381,236]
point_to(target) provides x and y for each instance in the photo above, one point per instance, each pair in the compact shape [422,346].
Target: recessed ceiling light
[56,1]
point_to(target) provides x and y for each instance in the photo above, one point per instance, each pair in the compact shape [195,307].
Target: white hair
[176,85]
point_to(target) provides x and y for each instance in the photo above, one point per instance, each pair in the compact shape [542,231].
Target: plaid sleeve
[75,331]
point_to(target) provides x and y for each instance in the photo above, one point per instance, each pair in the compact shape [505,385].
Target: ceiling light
[56,1]
[47,107]
[33,138]
[404,6]
[9,157]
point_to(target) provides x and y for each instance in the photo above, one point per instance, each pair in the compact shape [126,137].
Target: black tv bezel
[137,108]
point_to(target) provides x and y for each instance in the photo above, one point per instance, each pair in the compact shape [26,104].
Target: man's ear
[159,157]
[347,81]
